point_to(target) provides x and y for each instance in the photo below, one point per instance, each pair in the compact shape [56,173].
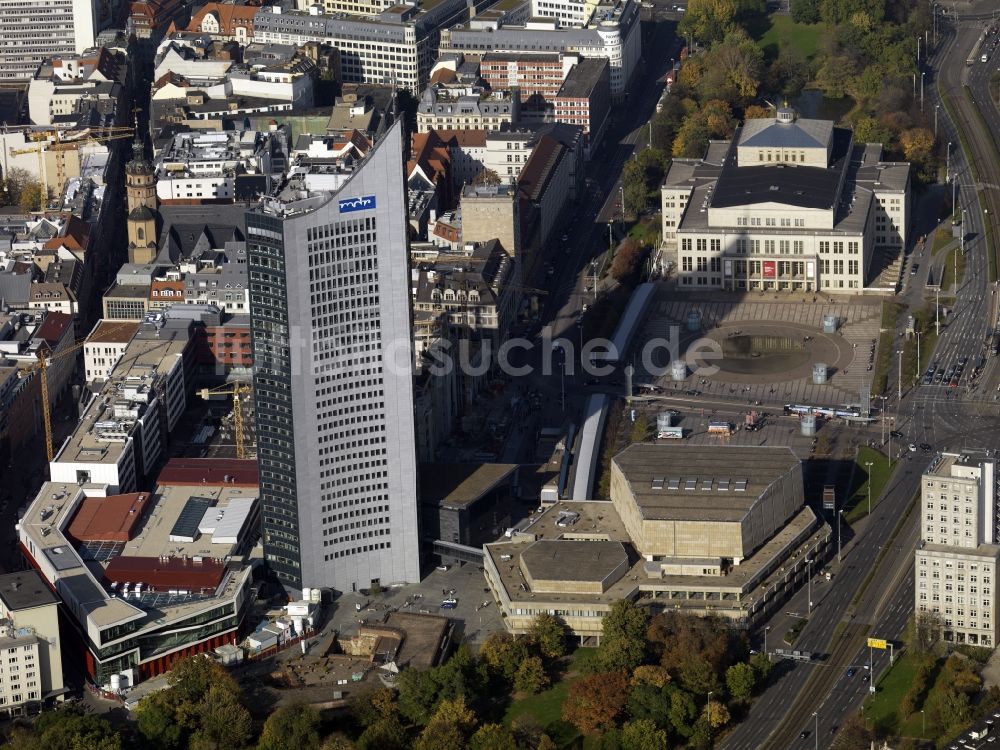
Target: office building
[33,32]
[612,33]
[395,47]
[958,552]
[788,204]
[29,640]
[333,385]
[148,577]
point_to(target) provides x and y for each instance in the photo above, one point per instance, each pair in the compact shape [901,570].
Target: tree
[418,694]
[337,741]
[486,177]
[757,112]
[918,147]
[804,11]
[32,197]
[643,735]
[708,20]
[732,69]
[595,702]
[697,676]
[493,737]
[384,734]
[531,677]
[716,714]
[156,721]
[549,634]
[293,727]
[645,701]
[762,667]
[650,674]
[634,188]
[223,722]
[926,631]
[626,264]
[66,728]
[692,138]
[503,654]
[854,735]
[869,130]
[683,712]
[741,679]
[369,706]
[451,726]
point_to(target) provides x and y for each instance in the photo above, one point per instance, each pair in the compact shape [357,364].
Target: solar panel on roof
[185,528]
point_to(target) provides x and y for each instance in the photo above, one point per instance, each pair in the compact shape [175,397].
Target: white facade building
[788,204]
[31,32]
[612,32]
[958,556]
[30,646]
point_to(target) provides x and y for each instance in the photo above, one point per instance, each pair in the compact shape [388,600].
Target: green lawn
[883,706]
[942,237]
[947,282]
[546,707]
[782,30]
[857,503]
[890,312]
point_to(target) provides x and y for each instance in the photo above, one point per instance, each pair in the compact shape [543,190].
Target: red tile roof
[166,574]
[52,330]
[109,519]
[190,472]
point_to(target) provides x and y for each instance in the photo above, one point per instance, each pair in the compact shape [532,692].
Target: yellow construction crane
[237,391]
[42,144]
[44,359]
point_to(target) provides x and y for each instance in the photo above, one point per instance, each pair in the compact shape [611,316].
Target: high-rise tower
[140,188]
[333,378]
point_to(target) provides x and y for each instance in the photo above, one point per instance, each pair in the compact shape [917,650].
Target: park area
[867,478]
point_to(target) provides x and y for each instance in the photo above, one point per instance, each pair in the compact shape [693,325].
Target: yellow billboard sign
[877,643]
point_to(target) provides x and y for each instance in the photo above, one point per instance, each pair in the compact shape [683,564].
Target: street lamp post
[816,729]
[937,309]
[923,724]
[947,172]
[922,74]
[840,514]
[899,384]
[937,107]
[809,583]
[868,465]
[621,192]
[766,652]
[917,369]
[708,705]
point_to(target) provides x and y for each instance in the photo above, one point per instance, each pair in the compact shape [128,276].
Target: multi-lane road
[811,698]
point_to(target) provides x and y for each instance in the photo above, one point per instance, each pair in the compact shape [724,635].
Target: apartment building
[958,555]
[63,86]
[218,167]
[787,204]
[104,347]
[31,671]
[449,107]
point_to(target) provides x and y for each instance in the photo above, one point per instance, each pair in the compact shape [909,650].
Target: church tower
[140,187]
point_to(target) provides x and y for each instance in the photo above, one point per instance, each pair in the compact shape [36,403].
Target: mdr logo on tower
[362,203]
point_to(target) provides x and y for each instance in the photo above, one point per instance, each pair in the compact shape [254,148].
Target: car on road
[926,447]
[692,392]
[864,677]
[913,448]
[803,734]
[896,434]
[914,268]
[851,672]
